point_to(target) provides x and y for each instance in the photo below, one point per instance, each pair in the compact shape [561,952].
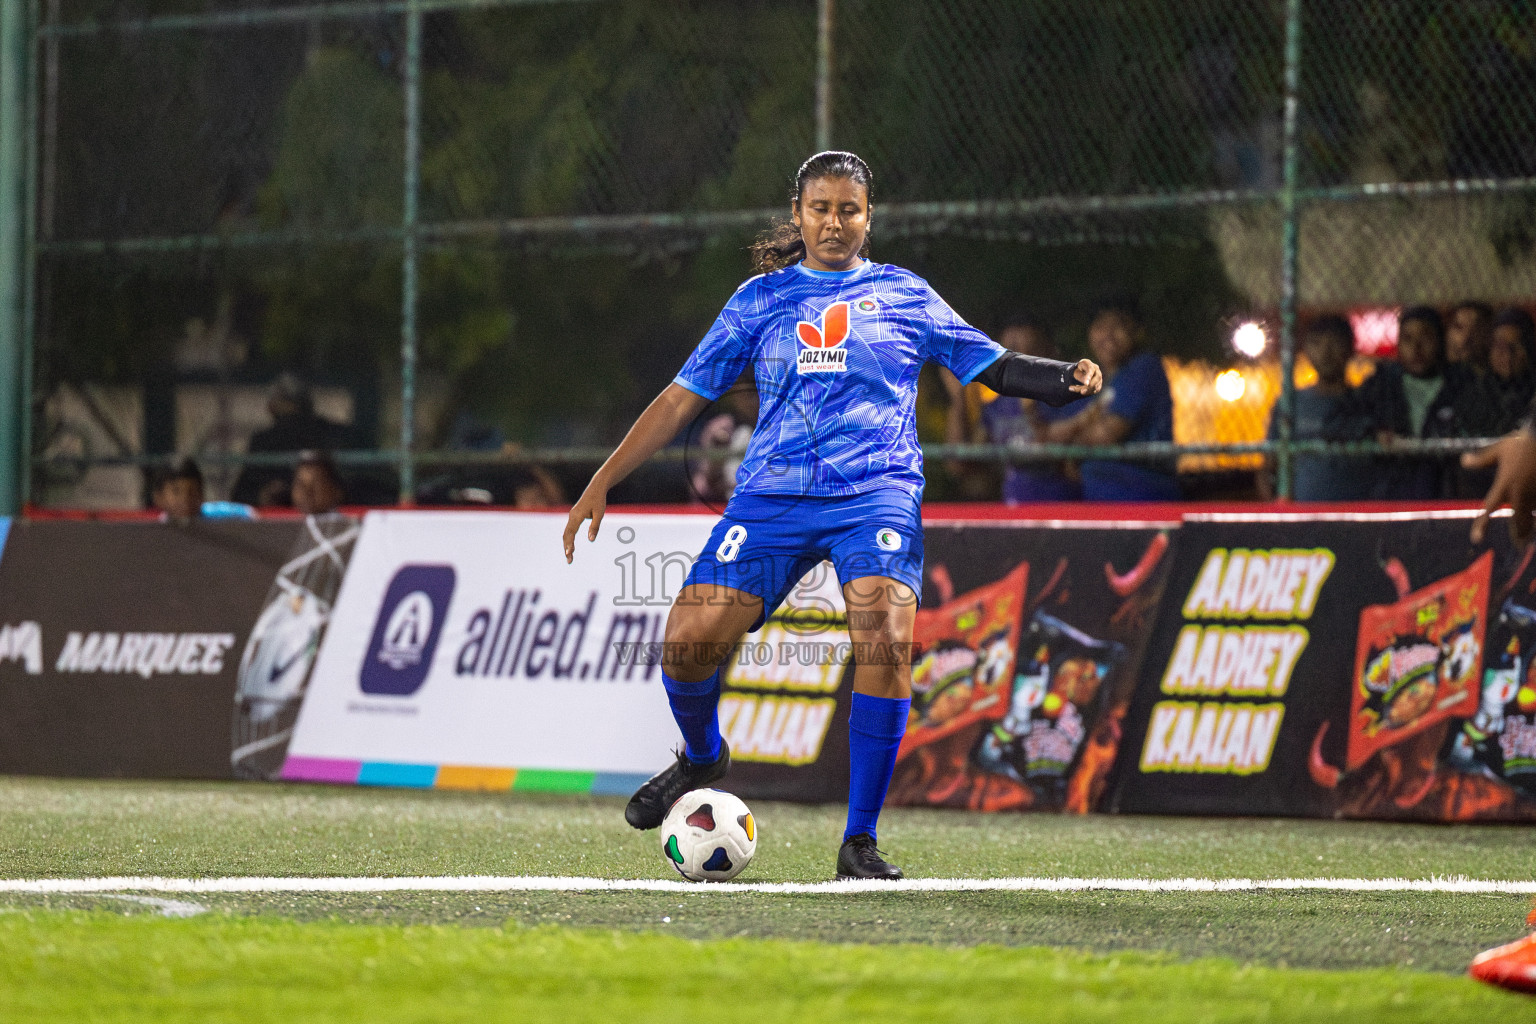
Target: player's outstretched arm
[1046,380]
[672,410]
[1514,482]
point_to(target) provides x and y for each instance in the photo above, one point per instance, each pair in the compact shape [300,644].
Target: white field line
[492,883]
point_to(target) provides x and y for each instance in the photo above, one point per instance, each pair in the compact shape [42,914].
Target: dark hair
[322,462]
[1482,309]
[781,245]
[1119,303]
[1426,315]
[1519,319]
[184,468]
[1334,326]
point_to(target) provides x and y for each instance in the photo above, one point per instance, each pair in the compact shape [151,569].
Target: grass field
[1020,956]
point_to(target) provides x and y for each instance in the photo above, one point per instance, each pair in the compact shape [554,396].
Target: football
[709,836]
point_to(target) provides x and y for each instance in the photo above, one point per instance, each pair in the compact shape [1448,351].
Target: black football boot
[649,806]
[859,859]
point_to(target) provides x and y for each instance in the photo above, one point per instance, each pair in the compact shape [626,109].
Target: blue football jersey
[836,357]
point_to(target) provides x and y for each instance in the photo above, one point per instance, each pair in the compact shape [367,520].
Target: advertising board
[464,652]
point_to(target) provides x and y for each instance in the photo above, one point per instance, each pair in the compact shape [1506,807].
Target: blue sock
[875,728]
[693,706]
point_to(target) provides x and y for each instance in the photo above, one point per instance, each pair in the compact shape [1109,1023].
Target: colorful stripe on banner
[459,777]
[484,780]
[321,769]
[414,776]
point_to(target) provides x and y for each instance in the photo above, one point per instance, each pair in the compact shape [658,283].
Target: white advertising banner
[463,650]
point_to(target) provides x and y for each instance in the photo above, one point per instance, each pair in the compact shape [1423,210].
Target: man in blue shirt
[1135,405]
[1003,419]
[1326,411]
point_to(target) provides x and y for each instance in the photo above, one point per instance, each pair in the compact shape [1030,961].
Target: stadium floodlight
[1250,339]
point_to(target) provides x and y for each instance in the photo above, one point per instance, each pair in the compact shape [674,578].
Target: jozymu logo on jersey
[821,345]
[405,633]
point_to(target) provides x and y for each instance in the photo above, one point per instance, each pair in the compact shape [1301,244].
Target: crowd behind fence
[476,236]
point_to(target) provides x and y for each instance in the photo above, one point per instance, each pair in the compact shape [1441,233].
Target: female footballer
[833,470]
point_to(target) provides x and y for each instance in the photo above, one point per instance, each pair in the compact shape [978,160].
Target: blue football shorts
[764,544]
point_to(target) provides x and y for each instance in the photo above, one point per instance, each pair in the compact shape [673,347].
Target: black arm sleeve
[1021,376]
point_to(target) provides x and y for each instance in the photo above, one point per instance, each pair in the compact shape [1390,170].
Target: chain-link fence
[463,242]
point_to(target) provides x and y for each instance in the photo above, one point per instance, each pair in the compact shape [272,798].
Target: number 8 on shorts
[730,547]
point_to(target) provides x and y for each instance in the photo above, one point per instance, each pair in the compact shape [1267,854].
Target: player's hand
[1088,376]
[591,505]
[1514,483]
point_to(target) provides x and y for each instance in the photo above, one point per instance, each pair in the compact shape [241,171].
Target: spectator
[1135,405]
[967,480]
[534,488]
[316,488]
[1512,366]
[1326,411]
[295,427]
[1499,397]
[1417,397]
[1016,421]
[725,436]
[177,491]
[1468,335]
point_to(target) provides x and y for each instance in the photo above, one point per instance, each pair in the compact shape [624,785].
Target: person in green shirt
[1416,397]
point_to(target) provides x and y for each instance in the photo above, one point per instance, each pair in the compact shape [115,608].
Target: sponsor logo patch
[406,631]
[821,345]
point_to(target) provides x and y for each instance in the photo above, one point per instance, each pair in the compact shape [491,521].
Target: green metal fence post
[412,90]
[1288,253]
[13,271]
[825,16]
[29,317]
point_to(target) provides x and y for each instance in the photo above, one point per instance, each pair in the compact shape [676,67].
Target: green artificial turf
[66,828]
[100,967]
[627,955]
[1434,932]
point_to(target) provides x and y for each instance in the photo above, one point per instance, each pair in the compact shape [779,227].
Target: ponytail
[778,247]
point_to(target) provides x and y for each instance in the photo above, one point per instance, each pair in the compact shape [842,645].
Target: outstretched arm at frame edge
[1513,460]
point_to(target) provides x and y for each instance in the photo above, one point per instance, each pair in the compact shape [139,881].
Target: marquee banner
[121,643]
